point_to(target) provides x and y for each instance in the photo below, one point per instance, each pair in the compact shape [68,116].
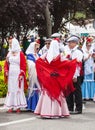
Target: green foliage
[79,15]
[3,86]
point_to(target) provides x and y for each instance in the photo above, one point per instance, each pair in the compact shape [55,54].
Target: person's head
[73,41]
[36,47]
[15,47]
[33,48]
[54,50]
[47,42]
[56,35]
[88,43]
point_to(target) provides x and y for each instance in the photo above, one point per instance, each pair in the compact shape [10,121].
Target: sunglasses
[47,43]
[89,45]
[37,48]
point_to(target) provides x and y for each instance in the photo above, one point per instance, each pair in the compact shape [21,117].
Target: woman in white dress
[15,71]
[52,70]
[88,85]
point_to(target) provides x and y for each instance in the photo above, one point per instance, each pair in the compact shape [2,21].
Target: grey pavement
[29,121]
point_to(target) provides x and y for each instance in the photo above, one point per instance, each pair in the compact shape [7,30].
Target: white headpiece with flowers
[84,47]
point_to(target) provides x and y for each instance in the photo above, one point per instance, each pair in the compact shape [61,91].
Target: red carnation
[89,40]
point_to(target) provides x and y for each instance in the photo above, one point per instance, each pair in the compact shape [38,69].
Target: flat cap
[56,35]
[74,39]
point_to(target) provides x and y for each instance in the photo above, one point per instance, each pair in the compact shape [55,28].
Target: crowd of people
[60,76]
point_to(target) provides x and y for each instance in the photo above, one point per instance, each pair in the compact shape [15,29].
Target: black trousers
[75,97]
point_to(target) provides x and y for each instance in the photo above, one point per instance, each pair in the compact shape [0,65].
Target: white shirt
[77,54]
[43,50]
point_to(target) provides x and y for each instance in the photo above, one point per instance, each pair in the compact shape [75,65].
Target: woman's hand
[6,73]
[74,80]
[20,77]
[89,55]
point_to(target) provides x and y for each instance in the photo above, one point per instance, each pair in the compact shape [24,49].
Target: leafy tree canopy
[21,15]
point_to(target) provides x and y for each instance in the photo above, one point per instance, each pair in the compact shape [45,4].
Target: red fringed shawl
[56,77]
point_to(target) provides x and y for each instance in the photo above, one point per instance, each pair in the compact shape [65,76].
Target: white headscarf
[84,48]
[15,46]
[53,51]
[30,49]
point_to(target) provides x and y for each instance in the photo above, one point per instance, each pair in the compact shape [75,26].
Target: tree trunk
[48,21]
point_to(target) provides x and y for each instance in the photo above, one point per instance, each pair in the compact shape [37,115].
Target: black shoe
[71,112]
[75,112]
[78,112]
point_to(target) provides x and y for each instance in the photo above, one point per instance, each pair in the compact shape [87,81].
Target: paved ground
[28,121]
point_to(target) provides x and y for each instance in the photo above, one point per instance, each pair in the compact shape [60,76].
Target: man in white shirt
[76,97]
[45,47]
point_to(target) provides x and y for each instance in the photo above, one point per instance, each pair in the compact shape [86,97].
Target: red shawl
[23,66]
[56,77]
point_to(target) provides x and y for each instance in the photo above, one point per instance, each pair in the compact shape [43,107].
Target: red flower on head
[57,39]
[89,39]
[38,41]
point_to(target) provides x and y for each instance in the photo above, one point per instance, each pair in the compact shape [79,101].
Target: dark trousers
[75,97]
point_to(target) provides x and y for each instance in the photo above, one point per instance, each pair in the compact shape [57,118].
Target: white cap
[73,38]
[55,35]
[48,40]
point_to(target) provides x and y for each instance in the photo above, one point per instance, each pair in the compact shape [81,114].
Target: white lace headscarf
[53,51]
[15,46]
[30,49]
[32,69]
[84,48]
